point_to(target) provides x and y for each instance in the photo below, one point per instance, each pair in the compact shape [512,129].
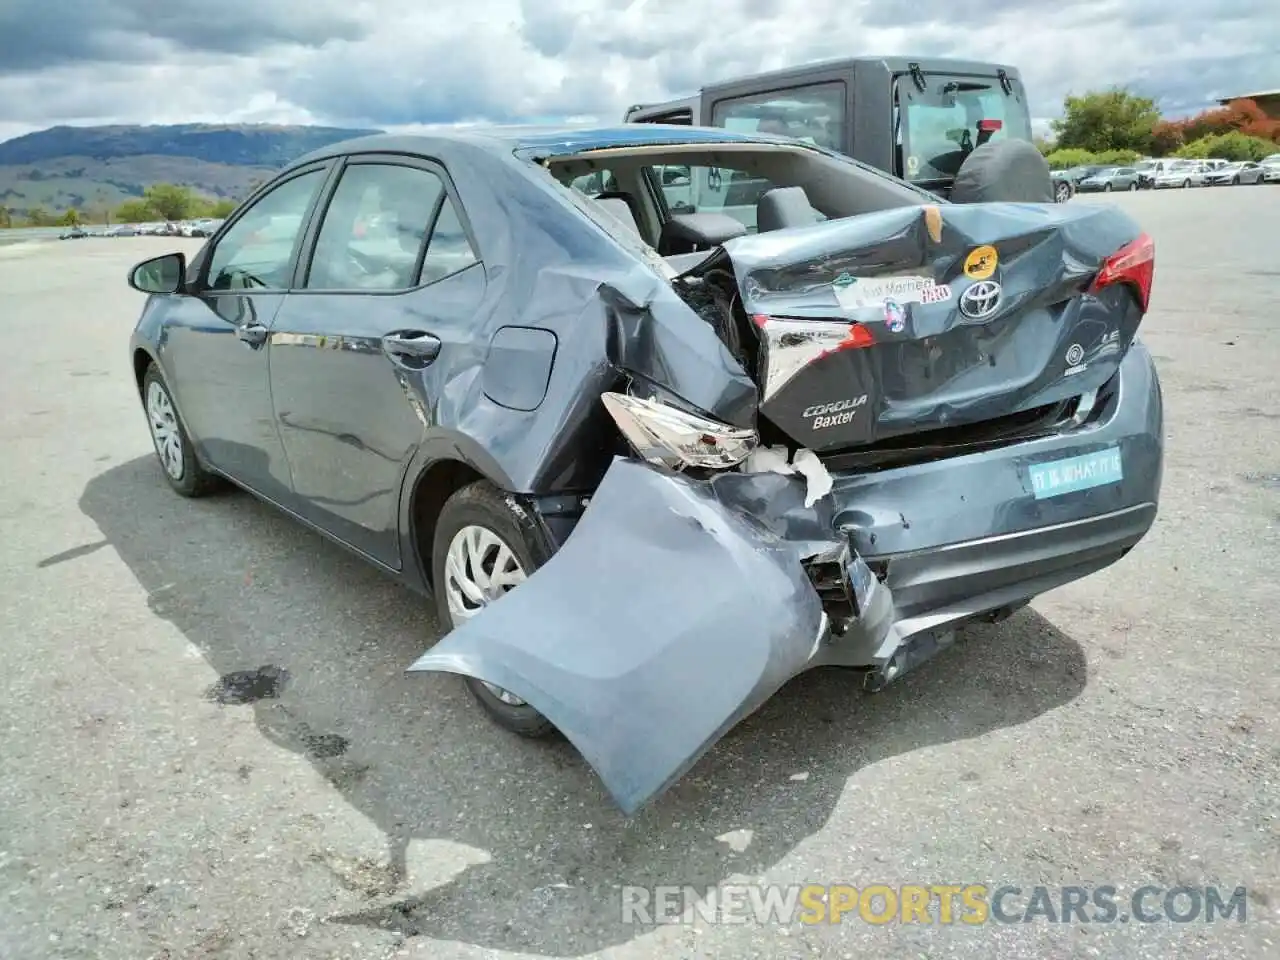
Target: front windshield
[940,126]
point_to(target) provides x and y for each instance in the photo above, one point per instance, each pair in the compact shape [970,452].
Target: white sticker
[913,164]
[874,291]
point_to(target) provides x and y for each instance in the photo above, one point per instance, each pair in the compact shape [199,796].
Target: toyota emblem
[980,300]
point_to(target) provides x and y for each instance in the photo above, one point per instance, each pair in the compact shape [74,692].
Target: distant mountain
[249,145]
[99,167]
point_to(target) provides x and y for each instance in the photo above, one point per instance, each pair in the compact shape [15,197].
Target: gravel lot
[1124,731]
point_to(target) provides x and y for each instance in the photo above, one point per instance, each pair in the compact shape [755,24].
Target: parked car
[121,230]
[1108,179]
[1244,171]
[1181,173]
[652,465]
[1271,169]
[202,228]
[73,233]
[1148,169]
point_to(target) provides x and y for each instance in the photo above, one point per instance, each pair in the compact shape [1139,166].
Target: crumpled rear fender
[664,619]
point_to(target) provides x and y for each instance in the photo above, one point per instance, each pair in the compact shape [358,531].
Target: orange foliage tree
[1238,116]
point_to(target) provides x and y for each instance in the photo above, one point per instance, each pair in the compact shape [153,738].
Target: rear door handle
[254,334]
[411,349]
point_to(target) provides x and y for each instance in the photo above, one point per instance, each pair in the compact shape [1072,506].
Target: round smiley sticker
[981,263]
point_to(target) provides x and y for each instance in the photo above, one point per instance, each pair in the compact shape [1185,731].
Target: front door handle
[254,334]
[411,349]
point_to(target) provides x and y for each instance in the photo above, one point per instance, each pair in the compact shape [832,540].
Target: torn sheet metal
[718,613]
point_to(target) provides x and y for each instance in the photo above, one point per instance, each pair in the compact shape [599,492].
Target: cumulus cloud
[395,63]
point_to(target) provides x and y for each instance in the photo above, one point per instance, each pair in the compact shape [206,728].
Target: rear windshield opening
[941,125]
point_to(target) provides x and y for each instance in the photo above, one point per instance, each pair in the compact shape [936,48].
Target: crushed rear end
[953,416]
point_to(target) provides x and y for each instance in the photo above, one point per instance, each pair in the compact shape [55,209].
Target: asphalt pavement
[209,749]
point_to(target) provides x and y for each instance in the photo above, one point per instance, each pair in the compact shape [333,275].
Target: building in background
[1268,101]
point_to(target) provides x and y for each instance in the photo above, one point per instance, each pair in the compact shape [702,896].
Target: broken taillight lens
[1134,264]
[669,437]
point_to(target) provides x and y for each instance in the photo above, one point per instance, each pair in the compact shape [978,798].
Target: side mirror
[166,274]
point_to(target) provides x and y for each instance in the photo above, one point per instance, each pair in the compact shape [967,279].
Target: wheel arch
[142,359]
[441,468]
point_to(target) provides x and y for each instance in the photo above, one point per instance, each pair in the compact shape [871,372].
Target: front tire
[480,551]
[1185,184]
[1063,193]
[173,446]
[1106,188]
[1235,181]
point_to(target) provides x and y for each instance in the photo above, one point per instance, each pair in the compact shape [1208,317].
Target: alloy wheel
[479,568]
[164,430]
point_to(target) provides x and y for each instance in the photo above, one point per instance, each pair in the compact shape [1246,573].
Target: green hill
[97,168]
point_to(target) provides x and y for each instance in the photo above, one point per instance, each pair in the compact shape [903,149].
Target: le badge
[981,263]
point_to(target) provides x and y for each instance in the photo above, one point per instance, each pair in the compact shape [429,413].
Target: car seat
[619,210]
[633,207]
[784,207]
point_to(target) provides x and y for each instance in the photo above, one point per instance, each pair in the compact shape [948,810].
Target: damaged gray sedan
[653,464]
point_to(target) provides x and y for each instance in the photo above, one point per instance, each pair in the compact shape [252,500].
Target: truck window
[814,113]
[943,122]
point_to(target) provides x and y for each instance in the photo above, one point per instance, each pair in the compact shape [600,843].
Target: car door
[392,278]
[215,340]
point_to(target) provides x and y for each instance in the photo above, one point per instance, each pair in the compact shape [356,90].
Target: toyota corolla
[652,464]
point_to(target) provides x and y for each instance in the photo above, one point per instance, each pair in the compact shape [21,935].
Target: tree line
[1116,126]
[160,201]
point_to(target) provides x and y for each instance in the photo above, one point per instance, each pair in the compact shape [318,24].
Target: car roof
[542,140]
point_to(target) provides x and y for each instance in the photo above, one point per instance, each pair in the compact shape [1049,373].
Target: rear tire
[1062,193]
[475,525]
[1133,186]
[173,446]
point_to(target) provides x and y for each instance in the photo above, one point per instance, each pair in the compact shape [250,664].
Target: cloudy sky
[406,62]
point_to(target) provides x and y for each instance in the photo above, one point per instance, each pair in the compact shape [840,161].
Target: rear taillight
[1134,264]
[990,126]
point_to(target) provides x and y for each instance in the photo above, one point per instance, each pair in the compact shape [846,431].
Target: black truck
[917,118]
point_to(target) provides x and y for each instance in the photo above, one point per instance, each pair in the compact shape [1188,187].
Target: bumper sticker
[1076,473]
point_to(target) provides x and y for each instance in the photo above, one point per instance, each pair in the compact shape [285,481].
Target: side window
[449,250]
[814,113]
[257,252]
[374,228]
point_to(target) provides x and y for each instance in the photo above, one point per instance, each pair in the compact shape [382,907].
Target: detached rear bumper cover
[677,607]
[663,620]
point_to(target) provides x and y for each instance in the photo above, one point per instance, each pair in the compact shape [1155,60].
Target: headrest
[784,207]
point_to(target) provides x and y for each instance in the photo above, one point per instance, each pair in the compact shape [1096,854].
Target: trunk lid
[925,318]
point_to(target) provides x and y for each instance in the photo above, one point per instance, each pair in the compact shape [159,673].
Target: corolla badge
[980,300]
